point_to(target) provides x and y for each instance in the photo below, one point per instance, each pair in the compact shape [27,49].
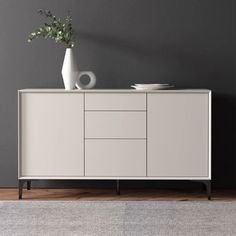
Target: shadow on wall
[198,67]
[136,62]
[223,140]
[223,158]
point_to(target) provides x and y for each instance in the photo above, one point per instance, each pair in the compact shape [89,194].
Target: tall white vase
[69,70]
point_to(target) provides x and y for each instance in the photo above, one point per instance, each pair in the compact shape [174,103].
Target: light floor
[110,194]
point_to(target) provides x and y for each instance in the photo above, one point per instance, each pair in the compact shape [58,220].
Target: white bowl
[151,86]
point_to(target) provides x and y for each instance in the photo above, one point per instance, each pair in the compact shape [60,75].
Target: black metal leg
[20,186]
[28,184]
[208,187]
[207,184]
[118,187]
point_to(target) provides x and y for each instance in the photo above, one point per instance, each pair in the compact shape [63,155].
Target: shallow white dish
[141,85]
[151,86]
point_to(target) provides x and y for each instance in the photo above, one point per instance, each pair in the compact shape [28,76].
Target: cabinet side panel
[52,134]
[178,135]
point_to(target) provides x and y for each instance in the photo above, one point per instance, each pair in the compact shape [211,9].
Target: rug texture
[67,218]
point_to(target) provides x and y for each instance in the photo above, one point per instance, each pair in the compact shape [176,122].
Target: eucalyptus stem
[57,30]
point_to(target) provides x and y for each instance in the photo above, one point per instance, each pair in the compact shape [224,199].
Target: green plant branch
[56,30]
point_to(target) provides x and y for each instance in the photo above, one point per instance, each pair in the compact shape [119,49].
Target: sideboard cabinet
[114,134]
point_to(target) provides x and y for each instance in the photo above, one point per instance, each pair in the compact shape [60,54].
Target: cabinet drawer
[117,101]
[115,158]
[115,124]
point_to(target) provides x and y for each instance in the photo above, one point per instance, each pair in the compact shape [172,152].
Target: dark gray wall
[190,43]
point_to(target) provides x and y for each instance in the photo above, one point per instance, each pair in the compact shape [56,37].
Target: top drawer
[115,101]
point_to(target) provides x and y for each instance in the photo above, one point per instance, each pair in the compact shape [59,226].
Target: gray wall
[186,42]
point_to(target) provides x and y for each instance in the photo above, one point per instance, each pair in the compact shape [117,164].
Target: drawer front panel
[115,158]
[115,124]
[117,101]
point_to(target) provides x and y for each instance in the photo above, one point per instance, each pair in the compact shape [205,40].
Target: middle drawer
[115,124]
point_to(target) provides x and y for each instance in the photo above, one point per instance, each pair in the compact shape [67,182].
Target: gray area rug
[117,218]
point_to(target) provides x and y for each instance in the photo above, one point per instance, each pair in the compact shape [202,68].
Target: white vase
[69,70]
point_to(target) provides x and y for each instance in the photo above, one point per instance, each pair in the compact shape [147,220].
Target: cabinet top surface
[52,90]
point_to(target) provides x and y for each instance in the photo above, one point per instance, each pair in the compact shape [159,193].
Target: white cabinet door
[178,135]
[51,134]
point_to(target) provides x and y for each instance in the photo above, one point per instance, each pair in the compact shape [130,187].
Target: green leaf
[61,32]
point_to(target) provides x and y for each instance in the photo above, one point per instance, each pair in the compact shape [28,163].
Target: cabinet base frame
[207,184]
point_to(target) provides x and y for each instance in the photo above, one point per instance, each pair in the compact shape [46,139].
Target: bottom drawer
[115,157]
